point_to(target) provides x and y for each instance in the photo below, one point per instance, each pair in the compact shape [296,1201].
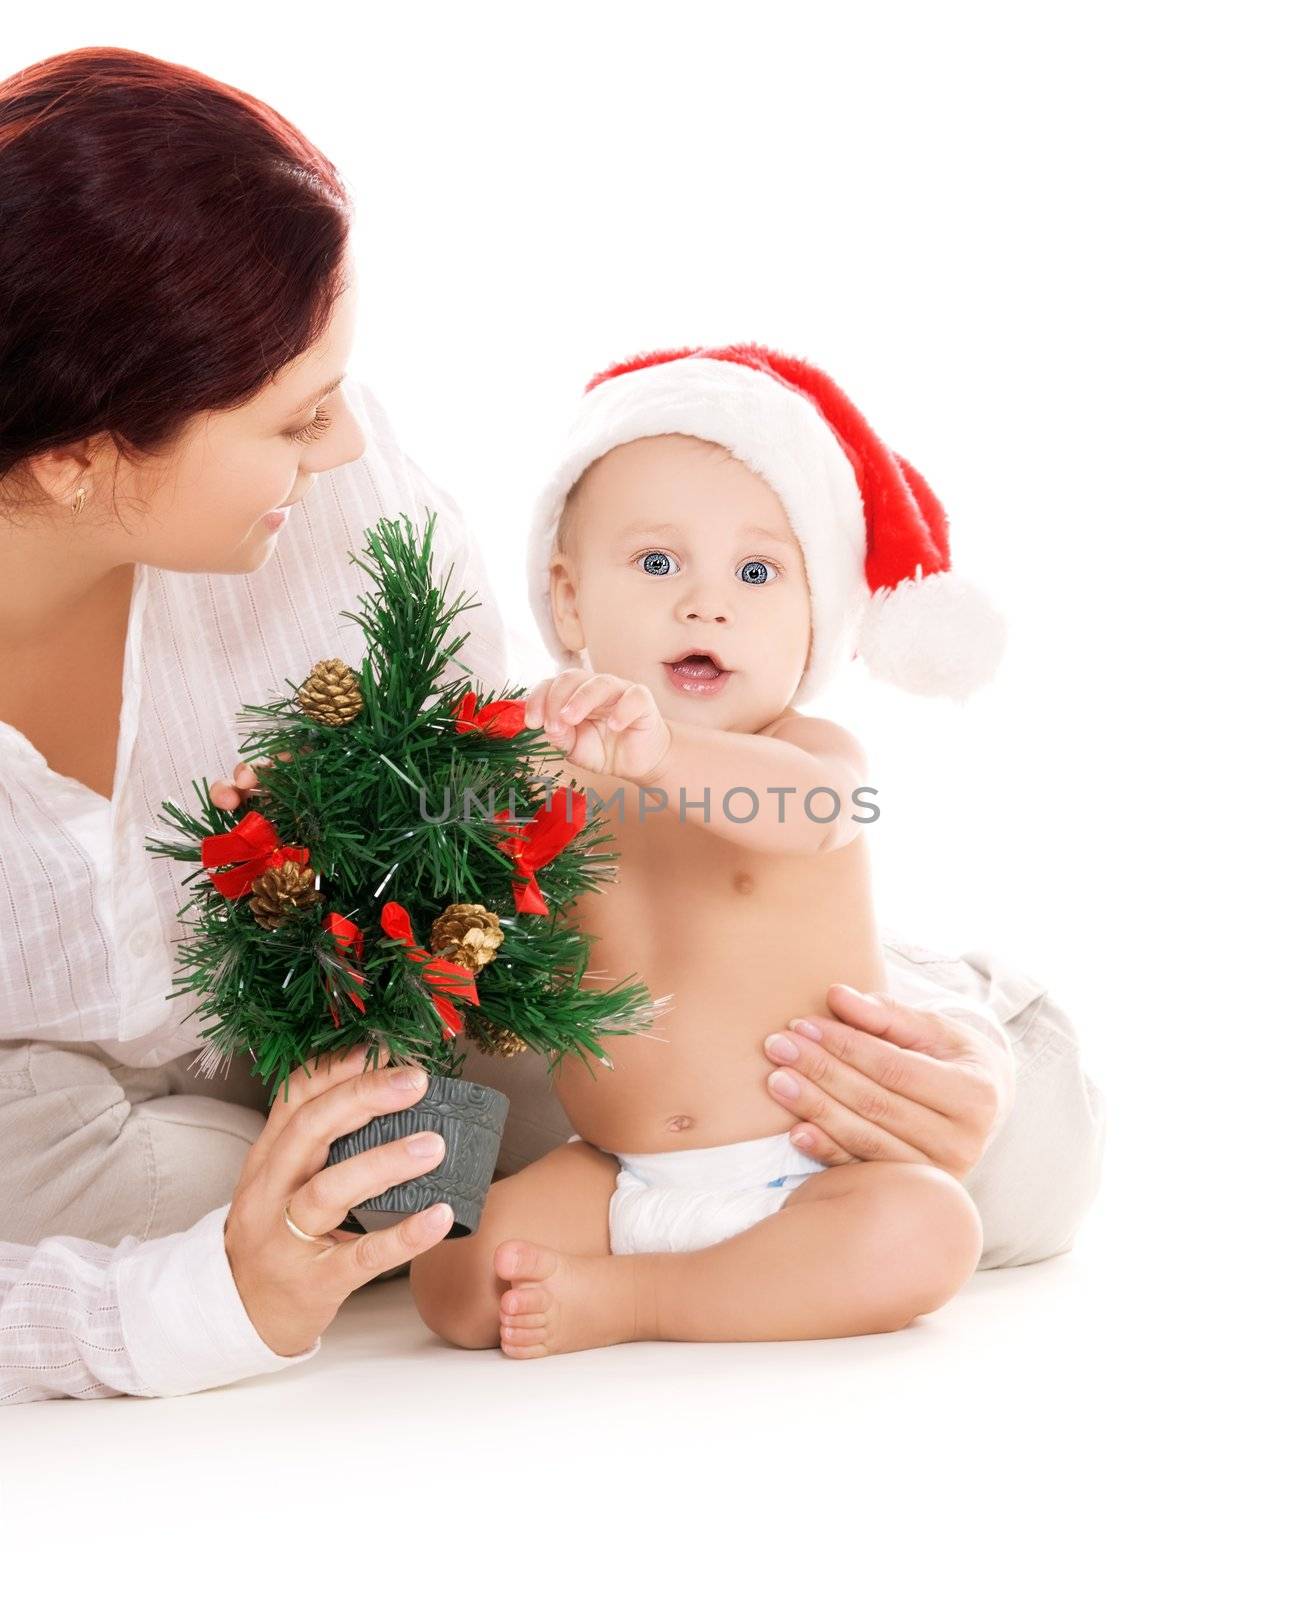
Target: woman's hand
[601,722]
[879,1081]
[292,1289]
[230,793]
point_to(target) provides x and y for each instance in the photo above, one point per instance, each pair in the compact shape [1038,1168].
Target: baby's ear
[564,599]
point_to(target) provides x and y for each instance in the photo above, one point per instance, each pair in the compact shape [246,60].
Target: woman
[184,471]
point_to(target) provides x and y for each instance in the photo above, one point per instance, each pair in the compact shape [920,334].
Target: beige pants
[98,1150]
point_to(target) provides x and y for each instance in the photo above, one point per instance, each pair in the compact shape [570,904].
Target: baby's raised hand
[603,723]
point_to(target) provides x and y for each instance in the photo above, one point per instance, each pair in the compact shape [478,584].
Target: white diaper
[686,1199]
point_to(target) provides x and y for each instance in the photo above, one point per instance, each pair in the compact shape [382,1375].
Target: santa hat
[873,536]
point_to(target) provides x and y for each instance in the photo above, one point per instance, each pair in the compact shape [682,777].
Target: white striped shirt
[91,917]
[149,1317]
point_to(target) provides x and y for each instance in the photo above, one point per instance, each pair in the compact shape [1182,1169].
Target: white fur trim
[937,635]
[777,433]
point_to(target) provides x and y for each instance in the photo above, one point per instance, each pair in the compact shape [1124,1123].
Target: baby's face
[673,546]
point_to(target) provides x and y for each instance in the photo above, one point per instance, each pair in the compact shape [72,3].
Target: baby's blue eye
[653,558]
[759,571]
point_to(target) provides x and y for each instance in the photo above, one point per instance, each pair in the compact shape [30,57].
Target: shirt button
[139,942]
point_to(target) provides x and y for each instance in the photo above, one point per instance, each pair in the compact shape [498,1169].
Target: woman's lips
[696,676]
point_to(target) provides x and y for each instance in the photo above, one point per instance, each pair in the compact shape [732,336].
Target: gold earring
[78,502]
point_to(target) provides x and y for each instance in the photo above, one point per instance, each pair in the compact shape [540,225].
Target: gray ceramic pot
[468,1117]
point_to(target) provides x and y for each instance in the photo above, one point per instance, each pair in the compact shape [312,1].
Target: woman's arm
[84,1320]
[239,1292]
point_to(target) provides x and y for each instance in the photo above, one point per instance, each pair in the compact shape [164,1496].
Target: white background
[1041,249]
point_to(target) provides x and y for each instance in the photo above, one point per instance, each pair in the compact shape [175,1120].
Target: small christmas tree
[382,889]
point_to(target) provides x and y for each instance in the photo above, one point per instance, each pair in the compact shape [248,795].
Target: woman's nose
[343,442]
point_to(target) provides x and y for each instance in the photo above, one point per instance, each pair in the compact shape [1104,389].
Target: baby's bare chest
[695,912]
[739,941]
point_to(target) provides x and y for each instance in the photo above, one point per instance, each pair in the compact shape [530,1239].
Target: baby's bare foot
[558,1303]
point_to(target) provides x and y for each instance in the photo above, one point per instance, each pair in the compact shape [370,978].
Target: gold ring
[308,1238]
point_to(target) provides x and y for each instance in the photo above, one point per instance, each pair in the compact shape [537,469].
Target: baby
[704,546]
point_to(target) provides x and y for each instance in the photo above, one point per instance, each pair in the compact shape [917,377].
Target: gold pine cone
[277,895]
[467,934]
[492,1037]
[331,694]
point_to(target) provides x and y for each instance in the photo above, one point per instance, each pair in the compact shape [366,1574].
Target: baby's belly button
[680,1123]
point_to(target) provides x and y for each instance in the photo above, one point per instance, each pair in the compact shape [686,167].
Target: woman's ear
[58,473]
[563,596]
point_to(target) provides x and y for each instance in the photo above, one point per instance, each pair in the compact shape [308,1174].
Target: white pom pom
[936,635]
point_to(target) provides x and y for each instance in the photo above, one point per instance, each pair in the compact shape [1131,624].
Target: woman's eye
[656,562]
[314,429]
[754,571]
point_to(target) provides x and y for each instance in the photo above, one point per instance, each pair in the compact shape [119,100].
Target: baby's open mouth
[697,673]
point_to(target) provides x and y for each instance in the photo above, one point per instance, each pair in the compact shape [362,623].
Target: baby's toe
[526,1319]
[518,1258]
[523,1338]
[531,1299]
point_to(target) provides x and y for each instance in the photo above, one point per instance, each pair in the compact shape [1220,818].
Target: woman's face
[201,505]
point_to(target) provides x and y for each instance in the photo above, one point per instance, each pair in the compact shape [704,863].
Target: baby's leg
[861,1248]
[563,1199]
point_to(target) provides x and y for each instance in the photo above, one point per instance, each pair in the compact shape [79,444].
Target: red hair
[167,245]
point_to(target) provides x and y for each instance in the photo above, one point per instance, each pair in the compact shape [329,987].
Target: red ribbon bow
[541,840]
[498,719]
[457,980]
[349,941]
[255,844]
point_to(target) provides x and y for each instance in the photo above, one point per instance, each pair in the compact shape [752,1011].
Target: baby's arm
[609,725]
[795,756]
[561,1200]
